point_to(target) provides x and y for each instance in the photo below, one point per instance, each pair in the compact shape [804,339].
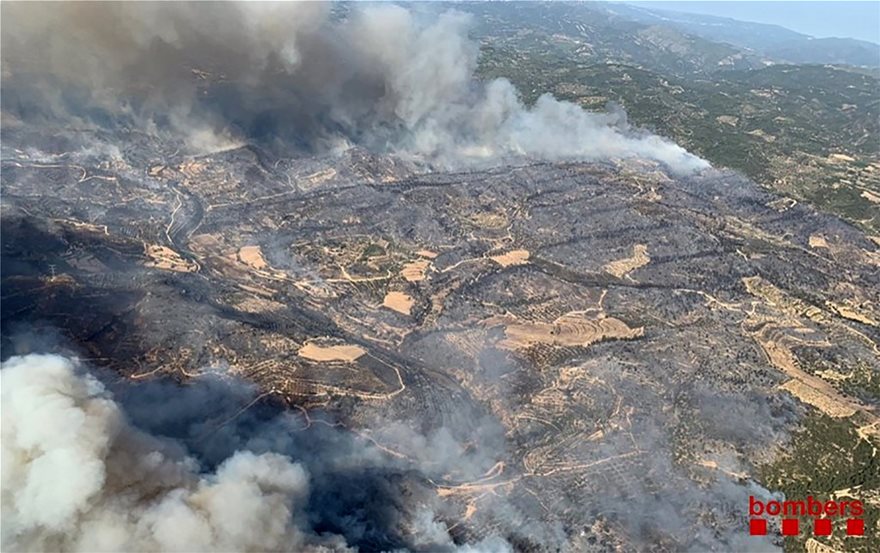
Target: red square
[822,527]
[758,527]
[855,527]
[789,527]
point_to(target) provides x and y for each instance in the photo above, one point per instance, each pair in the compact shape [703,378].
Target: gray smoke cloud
[78,476]
[318,76]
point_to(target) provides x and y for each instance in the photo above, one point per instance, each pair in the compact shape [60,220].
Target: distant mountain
[589,33]
[807,130]
[772,41]
[845,51]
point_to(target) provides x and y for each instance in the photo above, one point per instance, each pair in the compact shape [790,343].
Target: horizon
[822,19]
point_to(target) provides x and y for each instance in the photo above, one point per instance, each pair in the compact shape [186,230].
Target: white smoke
[381,77]
[77,476]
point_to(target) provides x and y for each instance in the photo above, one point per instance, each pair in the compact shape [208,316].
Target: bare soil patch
[253,256]
[515,257]
[161,257]
[398,301]
[414,271]
[623,267]
[341,352]
[568,330]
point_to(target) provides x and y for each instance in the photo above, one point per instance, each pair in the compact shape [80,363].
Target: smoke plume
[78,476]
[312,75]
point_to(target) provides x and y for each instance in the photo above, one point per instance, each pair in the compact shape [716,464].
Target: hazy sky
[819,19]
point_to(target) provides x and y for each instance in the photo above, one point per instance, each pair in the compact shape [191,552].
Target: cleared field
[568,330]
[514,257]
[346,353]
[398,301]
[162,257]
[414,271]
[622,267]
[253,256]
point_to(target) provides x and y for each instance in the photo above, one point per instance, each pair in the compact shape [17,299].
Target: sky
[820,19]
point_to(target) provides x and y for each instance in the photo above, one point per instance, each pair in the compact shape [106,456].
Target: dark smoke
[304,74]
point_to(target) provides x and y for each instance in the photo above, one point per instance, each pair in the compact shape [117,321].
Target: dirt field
[622,267]
[568,330]
[414,271]
[331,353]
[817,399]
[398,301]
[161,257]
[515,257]
[817,241]
[253,256]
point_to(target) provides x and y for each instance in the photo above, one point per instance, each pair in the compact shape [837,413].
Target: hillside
[810,132]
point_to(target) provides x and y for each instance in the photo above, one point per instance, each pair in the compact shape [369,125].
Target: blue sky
[820,19]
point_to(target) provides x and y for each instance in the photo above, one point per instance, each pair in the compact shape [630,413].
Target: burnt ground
[613,349]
